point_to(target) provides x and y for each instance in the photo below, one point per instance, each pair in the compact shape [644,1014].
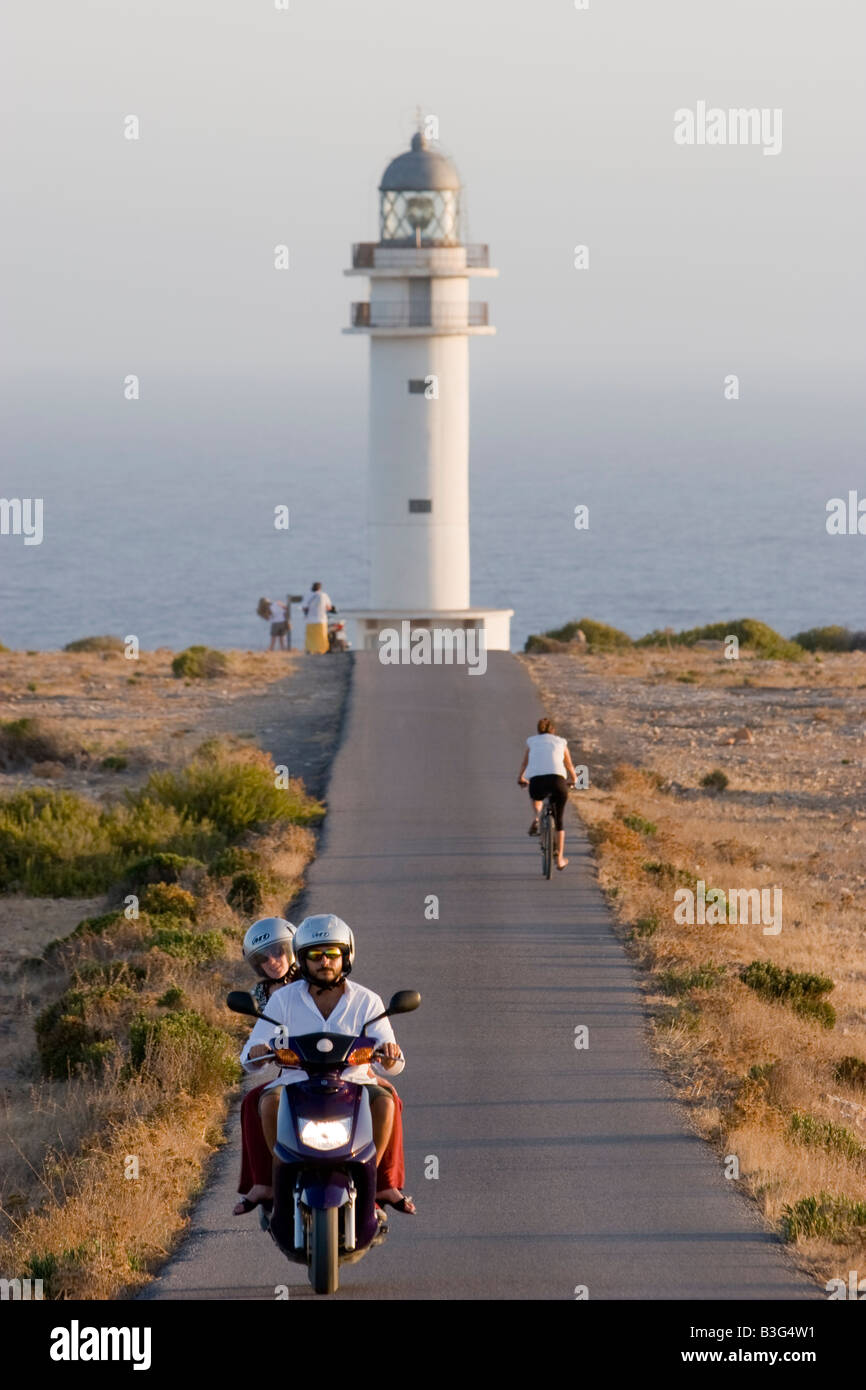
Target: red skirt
[257,1163]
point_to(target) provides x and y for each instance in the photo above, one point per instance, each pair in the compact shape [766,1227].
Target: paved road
[557,1167]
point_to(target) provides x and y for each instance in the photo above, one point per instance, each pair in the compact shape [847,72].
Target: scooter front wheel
[324,1249]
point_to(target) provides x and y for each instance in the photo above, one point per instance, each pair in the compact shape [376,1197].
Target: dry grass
[793,817]
[68,1213]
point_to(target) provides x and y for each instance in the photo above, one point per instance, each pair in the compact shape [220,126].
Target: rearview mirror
[242,1003]
[404,1001]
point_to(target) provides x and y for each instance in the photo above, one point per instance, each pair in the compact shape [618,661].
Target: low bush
[197,947]
[170,898]
[233,793]
[716,781]
[825,639]
[247,893]
[35,740]
[824,1134]
[802,992]
[206,1056]
[851,1071]
[66,1040]
[235,860]
[200,663]
[705,976]
[114,763]
[159,868]
[757,636]
[95,644]
[834,1218]
[635,822]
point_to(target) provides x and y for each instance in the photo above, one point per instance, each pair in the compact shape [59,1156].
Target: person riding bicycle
[324,949]
[547,763]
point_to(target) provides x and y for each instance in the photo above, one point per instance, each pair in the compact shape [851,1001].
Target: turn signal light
[286,1057]
[360,1056]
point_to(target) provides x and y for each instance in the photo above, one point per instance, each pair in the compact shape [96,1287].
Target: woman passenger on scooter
[268,950]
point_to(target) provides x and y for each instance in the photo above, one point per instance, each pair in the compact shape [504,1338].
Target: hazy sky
[603,386]
[260,126]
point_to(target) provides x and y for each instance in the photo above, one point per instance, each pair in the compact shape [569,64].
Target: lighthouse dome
[420,169]
[419,198]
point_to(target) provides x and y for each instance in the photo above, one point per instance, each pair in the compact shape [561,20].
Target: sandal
[533,829]
[245,1205]
[405,1204]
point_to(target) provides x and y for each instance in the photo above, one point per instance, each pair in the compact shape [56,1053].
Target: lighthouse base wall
[447,627]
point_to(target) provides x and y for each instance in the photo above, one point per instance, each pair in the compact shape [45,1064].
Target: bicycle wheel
[547,832]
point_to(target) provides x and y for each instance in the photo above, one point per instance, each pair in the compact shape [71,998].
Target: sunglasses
[329,952]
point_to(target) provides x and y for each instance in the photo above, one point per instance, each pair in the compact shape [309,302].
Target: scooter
[324,1210]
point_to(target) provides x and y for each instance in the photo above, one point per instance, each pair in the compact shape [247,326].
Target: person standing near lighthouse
[316,607]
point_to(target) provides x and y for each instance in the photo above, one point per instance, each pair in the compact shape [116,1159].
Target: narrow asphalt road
[557,1167]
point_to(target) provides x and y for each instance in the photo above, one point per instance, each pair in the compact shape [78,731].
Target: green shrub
[824,1134]
[235,860]
[851,1071]
[173,996]
[230,794]
[169,898]
[114,763]
[207,1055]
[757,636]
[35,740]
[802,992]
[159,868]
[645,926]
[705,976]
[247,894]
[95,644]
[66,1042]
[197,947]
[55,844]
[635,822]
[715,781]
[835,1218]
[825,639]
[200,663]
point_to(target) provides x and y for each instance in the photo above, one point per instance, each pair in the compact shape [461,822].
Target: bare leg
[560,849]
[268,1111]
[383,1122]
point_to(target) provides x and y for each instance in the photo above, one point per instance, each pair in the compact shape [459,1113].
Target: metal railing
[473,315]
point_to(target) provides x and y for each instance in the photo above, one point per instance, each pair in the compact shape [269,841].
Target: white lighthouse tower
[419,318]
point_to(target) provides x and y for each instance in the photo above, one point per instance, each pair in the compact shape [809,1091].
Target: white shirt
[316,606]
[546,756]
[294,1005]
[278,612]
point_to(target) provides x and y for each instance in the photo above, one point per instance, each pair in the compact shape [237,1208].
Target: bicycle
[547,834]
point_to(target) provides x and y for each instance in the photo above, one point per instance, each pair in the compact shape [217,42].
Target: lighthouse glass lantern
[420,199]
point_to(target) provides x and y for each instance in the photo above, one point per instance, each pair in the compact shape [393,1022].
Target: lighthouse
[419,318]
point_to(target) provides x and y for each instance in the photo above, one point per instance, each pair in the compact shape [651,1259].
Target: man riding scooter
[324,948]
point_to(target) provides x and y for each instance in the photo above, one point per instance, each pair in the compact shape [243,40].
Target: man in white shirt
[324,1001]
[316,607]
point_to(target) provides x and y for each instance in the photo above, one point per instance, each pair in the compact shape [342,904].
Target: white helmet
[267,932]
[324,930]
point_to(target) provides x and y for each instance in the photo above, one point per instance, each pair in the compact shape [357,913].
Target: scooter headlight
[325,1134]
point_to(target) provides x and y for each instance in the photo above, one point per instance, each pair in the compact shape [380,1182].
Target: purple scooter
[324,1211]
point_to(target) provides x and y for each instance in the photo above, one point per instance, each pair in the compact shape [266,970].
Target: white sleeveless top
[546,756]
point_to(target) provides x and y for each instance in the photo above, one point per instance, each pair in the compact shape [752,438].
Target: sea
[158,514]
